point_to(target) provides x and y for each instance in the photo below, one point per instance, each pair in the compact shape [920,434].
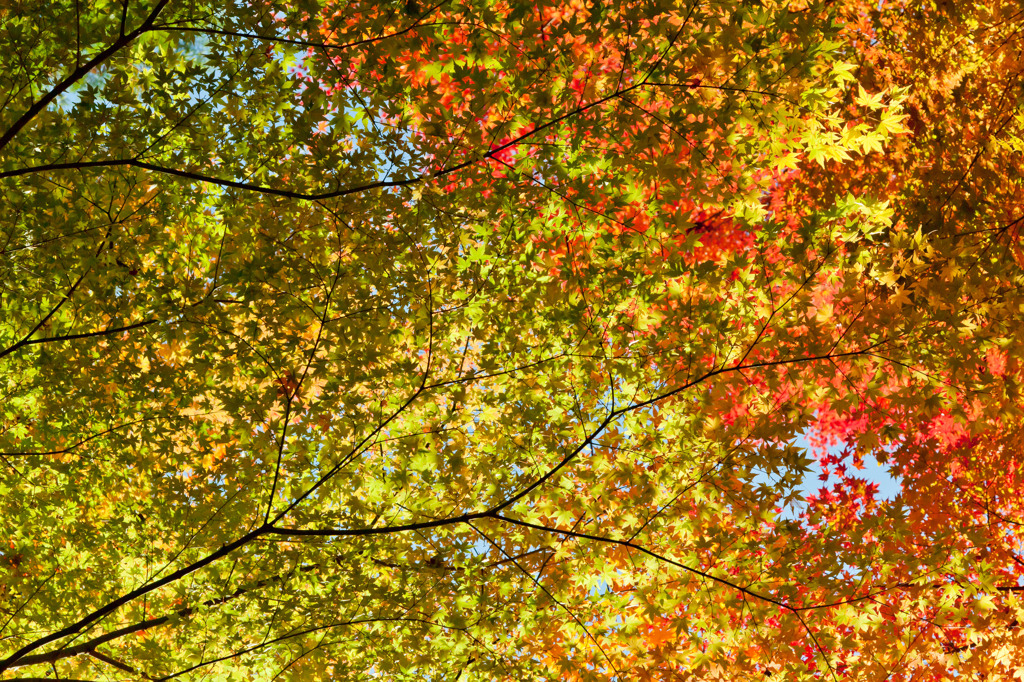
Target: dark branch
[71,337]
[79,73]
[114,605]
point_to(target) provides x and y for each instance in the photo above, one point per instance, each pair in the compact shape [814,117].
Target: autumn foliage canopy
[495,340]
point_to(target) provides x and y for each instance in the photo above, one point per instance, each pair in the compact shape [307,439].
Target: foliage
[492,340]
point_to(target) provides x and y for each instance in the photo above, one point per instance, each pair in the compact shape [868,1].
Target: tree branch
[122,41]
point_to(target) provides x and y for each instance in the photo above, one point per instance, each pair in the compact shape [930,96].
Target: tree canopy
[488,340]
